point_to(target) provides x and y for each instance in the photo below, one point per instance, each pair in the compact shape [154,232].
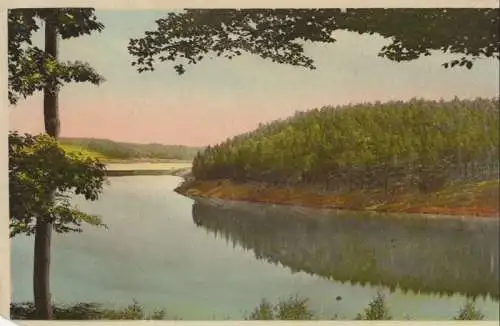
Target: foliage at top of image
[30,68]
[41,175]
[279,35]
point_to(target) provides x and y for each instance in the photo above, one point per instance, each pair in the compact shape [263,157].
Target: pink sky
[220,98]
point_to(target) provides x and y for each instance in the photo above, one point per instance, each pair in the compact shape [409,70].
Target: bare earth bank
[478,199]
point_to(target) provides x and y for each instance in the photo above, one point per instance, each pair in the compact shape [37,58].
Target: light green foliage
[377,309]
[41,175]
[187,37]
[265,311]
[71,148]
[469,312]
[119,150]
[30,68]
[294,308]
[379,145]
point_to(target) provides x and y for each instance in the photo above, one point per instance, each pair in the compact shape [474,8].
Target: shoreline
[108,161]
[134,168]
[448,202]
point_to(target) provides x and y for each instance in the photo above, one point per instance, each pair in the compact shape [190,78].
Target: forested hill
[108,149]
[419,143]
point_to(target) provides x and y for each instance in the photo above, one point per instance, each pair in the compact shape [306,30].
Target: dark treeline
[120,150]
[418,254]
[417,144]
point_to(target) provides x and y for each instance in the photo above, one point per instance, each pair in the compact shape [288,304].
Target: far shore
[470,200]
[476,199]
[131,168]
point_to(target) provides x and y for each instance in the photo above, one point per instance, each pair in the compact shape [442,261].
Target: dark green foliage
[38,169]
[120,150]
[294,308]
[30,68]
[377,309]
[469,312]
[86,311]
[280,34]
[416,144]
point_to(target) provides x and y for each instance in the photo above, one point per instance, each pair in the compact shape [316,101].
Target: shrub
[469,312]
[293,308]
[377,309]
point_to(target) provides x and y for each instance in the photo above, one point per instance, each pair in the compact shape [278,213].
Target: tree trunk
[43,231]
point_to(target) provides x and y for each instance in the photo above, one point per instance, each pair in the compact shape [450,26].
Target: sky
[220,98]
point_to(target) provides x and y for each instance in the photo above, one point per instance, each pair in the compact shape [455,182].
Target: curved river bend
[209,259]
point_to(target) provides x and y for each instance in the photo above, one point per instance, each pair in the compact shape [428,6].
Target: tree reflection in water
[411,253]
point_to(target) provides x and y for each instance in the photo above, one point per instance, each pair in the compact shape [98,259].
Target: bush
[293,308]
[469,312]
[377,309]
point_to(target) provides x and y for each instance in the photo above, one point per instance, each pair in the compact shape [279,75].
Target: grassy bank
[179,169]
[178,172]
[471,199]
[111,151]
[133,166]
[73,148]
[103,157]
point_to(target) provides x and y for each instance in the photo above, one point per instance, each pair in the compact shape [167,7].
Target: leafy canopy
[39,168]
[30,68]
[279,35]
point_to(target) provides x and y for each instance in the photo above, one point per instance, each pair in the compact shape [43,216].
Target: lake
[209,259]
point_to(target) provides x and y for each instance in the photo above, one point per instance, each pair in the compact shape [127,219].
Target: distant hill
[111,150]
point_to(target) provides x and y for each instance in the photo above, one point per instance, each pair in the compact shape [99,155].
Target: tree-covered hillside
[417,144]
[108,149]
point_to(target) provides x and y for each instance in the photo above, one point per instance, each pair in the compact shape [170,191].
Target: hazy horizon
[221,98]
[120,141]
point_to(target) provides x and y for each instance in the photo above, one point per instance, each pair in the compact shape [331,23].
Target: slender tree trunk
[43,232]
[386,179]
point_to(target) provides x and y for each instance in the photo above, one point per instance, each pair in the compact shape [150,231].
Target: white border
[166,4]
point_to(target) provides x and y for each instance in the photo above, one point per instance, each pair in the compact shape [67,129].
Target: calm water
[205,260]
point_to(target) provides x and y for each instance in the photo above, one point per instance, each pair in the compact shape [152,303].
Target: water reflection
[429,255]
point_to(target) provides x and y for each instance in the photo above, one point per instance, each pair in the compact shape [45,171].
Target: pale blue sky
[220,98]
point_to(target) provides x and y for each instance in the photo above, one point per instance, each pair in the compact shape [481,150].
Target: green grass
[122,151]
[72,148]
